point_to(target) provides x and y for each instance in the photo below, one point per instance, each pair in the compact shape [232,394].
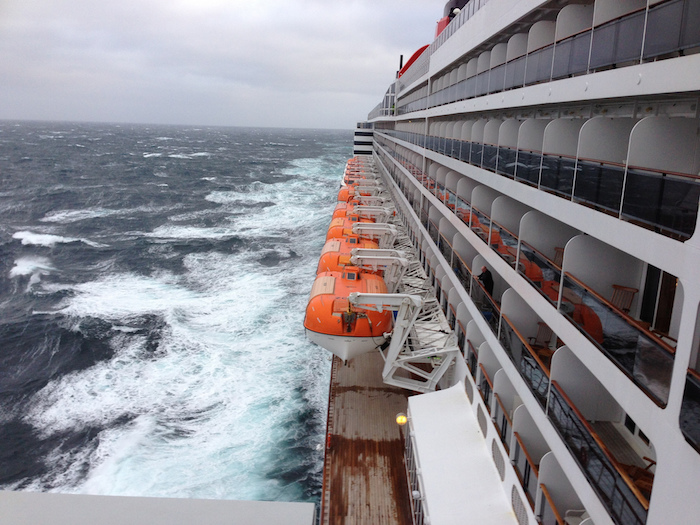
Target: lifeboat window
[353,219]
[351,276]
[352,241]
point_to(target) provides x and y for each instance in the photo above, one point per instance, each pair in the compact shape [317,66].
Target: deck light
[401,419]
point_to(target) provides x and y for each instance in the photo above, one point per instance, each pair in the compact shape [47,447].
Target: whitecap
[48,240]
[30,265]
[149,155]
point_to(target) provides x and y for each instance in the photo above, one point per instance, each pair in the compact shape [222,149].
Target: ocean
[153,281]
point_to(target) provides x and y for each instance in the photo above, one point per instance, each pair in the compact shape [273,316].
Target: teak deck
[364,476]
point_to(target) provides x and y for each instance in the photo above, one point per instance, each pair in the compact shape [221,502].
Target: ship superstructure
[555,145]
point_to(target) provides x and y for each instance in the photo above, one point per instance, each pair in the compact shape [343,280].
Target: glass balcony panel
[470,88]
[497,78]
[489,158]
[625,504]
[690,410]
[465,151]
[515,73]
[477,150]
[462,210]
[485,387]
[472,358]
[482,83]
[530,366]
[445,249]
[630,38]
[433,232]
[600,185]
[662,202]
[506,161]
[539,65]
[664,24]
[603,46]
[539,270]
[643,357]
[528,167]
[558,174]
[562,58]
[486,305]
[690,34]
[451,201]
[618,41]
[503,423]
[462,272]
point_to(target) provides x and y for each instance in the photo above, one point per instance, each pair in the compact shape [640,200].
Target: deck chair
[622,297]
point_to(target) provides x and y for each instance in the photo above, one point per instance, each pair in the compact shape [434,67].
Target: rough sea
[153,282]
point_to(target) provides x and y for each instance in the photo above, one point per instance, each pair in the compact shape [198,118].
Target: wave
[44,239]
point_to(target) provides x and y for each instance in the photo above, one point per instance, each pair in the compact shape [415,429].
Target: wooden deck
[364,476]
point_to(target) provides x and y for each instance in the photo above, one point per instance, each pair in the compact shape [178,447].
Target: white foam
[48,240]
[150,155]
[30,265]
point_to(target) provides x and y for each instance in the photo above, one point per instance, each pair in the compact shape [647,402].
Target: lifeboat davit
[332,323]
[336,252]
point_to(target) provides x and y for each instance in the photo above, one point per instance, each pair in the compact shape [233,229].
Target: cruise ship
[554,145]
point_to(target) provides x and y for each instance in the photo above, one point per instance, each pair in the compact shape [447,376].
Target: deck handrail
[528,457]
[626,478]
[630,320]
[532,353]
[548,497]
[694,373]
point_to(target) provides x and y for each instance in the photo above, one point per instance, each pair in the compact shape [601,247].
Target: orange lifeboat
[342,226]
[336,252]
[332,323]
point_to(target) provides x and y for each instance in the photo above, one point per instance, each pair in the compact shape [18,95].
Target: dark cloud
[307,63]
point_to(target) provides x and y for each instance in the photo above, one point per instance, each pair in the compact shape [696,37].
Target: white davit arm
[384,233]
[392,262]
[418,316]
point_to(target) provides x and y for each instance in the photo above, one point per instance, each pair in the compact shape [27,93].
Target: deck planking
[364,478]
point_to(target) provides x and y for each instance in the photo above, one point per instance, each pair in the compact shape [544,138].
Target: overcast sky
[294,63]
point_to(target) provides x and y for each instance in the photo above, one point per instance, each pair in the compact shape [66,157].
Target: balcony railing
[526,468]
[690,409]
[616,490]
[531,368]
[645,358]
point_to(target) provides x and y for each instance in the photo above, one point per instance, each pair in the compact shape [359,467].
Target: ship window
[629,423]
[643,437]
[352,240]
[351,276]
